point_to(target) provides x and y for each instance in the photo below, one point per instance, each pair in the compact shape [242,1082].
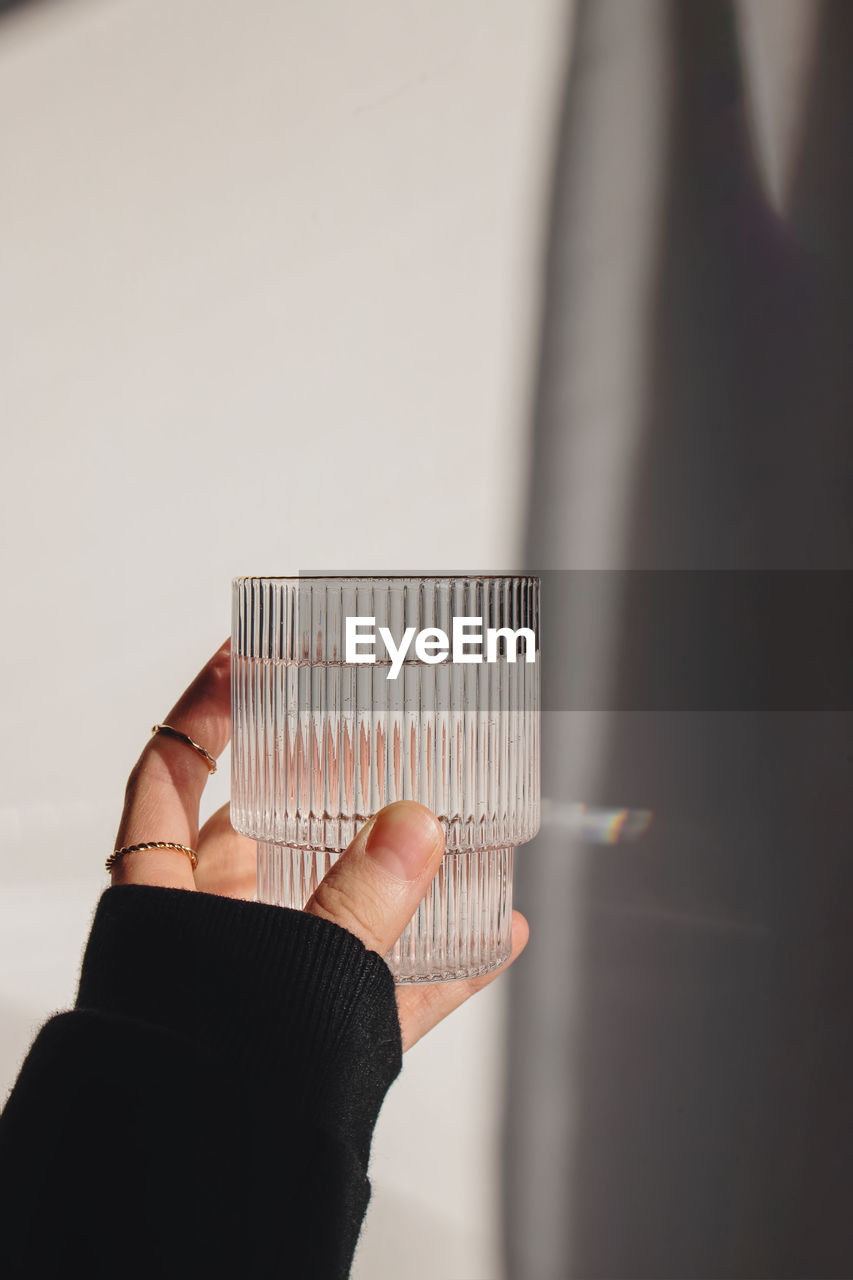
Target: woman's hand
[373,889]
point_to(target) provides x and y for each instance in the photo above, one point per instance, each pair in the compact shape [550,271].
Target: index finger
[164,789]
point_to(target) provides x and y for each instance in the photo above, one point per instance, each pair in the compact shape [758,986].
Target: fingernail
[402,839]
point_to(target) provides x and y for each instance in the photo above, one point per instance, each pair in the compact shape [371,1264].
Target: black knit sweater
[207,1107]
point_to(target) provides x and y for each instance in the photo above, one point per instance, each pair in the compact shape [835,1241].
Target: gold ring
[185,737]
[151,844]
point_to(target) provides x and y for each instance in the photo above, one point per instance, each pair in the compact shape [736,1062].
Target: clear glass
[319,745]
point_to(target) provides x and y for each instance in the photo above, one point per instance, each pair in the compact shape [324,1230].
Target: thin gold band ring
[185,737]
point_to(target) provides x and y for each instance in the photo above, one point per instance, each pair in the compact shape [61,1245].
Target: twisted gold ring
[151,844]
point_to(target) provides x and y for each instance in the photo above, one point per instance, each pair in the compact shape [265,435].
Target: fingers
[227,862]
[421,1007]
[375,887]
[164,789]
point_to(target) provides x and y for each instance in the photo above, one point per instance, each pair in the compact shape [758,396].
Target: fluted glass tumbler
[351,693]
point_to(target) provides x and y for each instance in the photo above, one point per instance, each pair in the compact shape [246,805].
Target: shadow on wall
[694,1115]
[6,6]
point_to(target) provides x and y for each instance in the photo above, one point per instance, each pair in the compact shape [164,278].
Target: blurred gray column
[680,1035]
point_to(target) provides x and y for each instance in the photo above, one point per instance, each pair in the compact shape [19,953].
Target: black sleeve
[207,1107]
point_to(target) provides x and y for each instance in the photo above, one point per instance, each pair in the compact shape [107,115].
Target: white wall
[268,278]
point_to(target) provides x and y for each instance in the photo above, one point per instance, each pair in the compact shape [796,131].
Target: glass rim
[384,577]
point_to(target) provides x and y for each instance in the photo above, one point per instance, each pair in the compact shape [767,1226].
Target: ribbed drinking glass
[320,743]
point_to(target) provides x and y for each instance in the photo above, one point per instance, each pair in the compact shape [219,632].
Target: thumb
[374,888]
